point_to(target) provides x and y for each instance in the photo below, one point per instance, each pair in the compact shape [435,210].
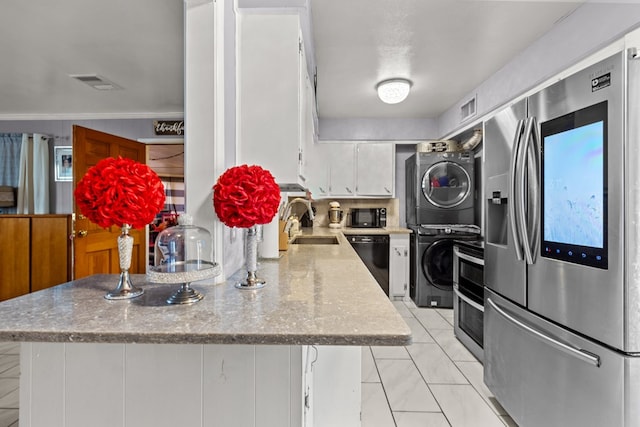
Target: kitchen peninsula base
[111,385]
[287,355]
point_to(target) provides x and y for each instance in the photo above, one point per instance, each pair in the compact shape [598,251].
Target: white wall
[210,120]
[377,129]
[61,193]
[590,28]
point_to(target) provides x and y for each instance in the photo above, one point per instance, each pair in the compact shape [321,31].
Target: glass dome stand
[183,273]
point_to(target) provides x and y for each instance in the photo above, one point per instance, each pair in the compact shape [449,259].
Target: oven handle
[466,299]
[466,257]
[570,350]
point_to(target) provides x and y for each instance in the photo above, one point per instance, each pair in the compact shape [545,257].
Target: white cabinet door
[342,172]
[398,266]
[375,169]
[304,119]
[317,169]
[269,72]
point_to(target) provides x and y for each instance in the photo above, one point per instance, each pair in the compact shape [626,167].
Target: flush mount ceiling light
[393,91]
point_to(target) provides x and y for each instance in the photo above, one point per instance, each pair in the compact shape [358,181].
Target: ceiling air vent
[468,109]
[95,81]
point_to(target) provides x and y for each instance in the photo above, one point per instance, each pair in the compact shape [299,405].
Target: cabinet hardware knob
[82,233]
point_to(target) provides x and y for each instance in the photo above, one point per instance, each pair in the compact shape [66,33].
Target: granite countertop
[315,294]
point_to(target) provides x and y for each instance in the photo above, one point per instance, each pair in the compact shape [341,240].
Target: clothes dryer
[440,188]
[431,262]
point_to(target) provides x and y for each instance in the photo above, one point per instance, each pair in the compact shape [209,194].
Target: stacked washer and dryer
[440,209]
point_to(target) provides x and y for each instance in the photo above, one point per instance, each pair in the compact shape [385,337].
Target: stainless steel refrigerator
[562,250]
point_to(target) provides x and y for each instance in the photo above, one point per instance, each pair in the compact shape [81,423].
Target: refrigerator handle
[566,348]
[534,160]
[513,199]
[525,203]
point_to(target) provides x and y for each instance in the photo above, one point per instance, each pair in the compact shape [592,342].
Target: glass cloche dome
[183,254]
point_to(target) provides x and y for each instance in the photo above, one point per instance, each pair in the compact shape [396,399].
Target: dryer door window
[446,184]
[437,264]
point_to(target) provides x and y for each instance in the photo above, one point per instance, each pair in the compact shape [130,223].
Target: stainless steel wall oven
[468,298]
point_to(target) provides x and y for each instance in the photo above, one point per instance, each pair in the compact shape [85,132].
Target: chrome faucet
[307,203]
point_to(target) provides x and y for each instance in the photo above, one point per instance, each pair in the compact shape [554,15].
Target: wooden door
[95,249]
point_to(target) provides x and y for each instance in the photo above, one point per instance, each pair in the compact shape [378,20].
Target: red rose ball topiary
[120,191]
[245,196]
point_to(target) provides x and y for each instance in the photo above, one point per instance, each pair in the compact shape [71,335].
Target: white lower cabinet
[398,266]
[168,385]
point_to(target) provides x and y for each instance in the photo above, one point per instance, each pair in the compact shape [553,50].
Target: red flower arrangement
[245,196]
[120,191]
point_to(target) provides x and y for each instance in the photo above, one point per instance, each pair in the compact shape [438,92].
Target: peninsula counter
[284,355]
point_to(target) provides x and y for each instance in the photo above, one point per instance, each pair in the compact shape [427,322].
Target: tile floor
[9,378]
[435,382]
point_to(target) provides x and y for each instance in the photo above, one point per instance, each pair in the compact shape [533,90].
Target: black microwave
[368,217]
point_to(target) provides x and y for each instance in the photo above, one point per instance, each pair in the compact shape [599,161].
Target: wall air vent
[468,109]
[95,81]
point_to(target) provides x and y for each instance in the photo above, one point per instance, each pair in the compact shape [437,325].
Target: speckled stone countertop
[315,294]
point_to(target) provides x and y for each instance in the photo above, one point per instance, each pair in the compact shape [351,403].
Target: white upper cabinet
[350,169]
[342,177]
[375,169]
[272,97]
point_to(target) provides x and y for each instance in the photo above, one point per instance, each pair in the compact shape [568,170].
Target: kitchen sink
[315,240]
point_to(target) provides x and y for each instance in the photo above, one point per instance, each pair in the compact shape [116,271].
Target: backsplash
[322,210]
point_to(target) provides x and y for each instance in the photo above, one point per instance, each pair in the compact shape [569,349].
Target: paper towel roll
[269,244]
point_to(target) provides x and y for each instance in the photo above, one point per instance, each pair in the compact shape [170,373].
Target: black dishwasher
[373,250]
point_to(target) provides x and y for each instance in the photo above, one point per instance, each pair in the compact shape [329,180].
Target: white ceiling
[445,47]
[137,44]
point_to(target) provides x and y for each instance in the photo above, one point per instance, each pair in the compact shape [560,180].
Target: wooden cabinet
[273,98]
[35,253]
[15,247]
[398,266]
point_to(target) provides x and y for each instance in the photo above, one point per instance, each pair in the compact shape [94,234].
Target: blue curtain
[10,146]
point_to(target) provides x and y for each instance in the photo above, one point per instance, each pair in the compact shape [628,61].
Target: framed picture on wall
[63,163]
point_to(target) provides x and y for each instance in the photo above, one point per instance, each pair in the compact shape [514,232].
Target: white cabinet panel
[398,266]
[271,79]
[336,383]
[318,167]
[95,364]
[362,169]
[273,404]
[163,376]
[375,169]
[342,170]
[225,377]
[46,384]
[163,385]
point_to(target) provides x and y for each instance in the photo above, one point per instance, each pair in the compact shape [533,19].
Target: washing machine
[431,262]
[440,188]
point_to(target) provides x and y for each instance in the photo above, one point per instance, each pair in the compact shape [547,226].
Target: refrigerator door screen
[574,187]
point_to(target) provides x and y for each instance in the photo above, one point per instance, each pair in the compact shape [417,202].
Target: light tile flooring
[435,382]
[9,378]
